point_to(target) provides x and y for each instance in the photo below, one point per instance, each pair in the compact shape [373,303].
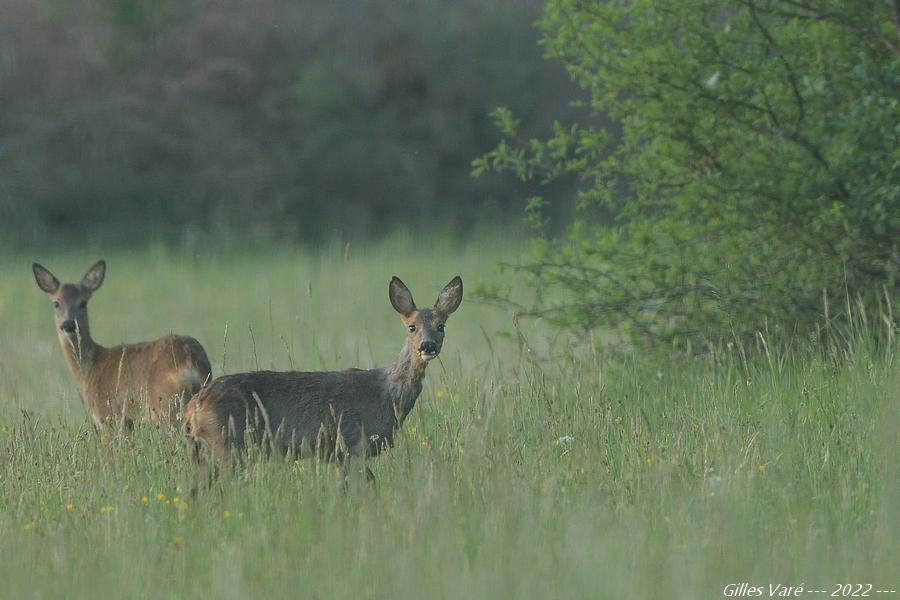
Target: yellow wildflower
[69,506]
[105,510]
[161,497]
[225,514]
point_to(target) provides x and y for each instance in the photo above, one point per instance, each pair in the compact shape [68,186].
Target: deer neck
[404,382]
[81,353]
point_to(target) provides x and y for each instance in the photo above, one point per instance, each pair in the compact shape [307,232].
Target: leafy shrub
[754,168]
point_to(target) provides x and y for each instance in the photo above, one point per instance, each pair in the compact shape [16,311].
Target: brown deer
[147,381]
[337,414]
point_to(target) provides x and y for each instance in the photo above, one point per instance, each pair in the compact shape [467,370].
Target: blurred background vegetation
[695,171]
[301,121]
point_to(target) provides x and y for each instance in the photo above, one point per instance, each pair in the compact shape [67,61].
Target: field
[535,465]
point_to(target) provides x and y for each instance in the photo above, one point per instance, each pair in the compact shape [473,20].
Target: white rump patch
[189,377]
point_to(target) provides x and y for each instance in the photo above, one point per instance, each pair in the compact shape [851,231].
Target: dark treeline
[273,118]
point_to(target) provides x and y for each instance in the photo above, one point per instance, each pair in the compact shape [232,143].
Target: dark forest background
[271,119]
[687,171]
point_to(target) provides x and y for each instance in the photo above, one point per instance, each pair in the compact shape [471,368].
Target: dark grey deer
[337,414]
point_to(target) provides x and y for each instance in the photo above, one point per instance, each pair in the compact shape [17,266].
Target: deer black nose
[428,348]
[68,326]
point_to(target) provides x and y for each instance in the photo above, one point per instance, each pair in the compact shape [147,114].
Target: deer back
[349,407]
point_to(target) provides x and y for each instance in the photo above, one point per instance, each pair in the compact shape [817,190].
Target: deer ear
[450,297]
[45,279]
[401,298]
[93,279]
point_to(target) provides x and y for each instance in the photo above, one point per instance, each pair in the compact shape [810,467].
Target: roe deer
[338,414]
[147,381]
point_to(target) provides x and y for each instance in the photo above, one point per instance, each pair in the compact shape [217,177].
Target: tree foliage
[754,169]
[274,118]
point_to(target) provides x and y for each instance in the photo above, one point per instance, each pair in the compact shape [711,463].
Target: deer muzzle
[428,350]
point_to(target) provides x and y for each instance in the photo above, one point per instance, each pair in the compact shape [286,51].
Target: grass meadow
[535,464]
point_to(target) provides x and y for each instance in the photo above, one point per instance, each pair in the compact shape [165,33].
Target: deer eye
[83,305]
[440,328]
[412,328]
[55,304]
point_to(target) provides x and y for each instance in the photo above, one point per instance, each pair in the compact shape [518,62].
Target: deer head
[425,325]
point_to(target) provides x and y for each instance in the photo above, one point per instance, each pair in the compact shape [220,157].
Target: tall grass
[534,465]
